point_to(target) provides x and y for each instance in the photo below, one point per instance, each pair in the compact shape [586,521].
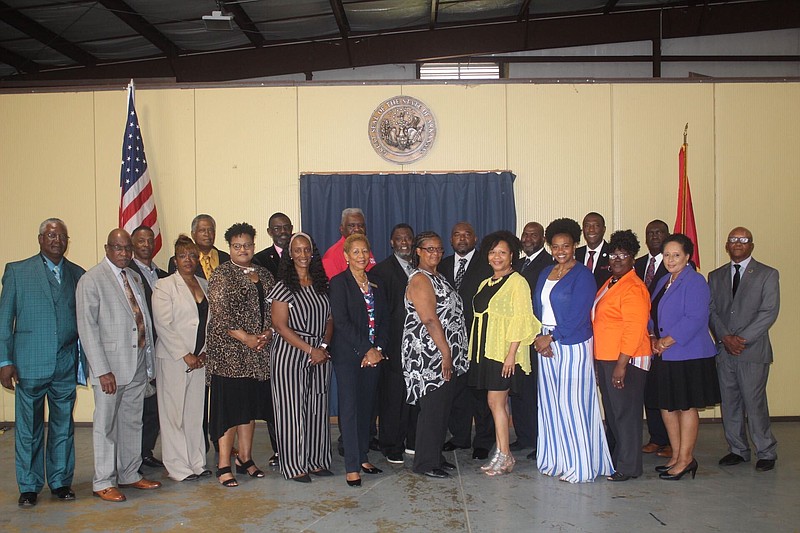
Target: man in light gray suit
[745,299]
[116,335]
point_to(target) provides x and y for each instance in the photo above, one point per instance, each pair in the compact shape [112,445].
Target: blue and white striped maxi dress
[572,443]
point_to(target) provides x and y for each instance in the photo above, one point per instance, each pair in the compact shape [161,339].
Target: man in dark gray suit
[745,299]
[280,228]
[524,405]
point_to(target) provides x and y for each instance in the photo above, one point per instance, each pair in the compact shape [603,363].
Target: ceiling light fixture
[218,20]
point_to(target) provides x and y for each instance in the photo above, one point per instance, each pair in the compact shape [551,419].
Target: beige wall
[237,153]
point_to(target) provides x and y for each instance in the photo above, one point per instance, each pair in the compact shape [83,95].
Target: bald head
[532,238]
[739,251]
[119,248]
[463,238]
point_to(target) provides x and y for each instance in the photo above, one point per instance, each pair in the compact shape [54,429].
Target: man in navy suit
[465,270]
[38,351]
[398,419]
[594,254]
[143,240]
[650,268]
[745,300]
[524,406]
[279,228]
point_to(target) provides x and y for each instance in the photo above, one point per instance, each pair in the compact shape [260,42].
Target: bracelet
[324,345]
[310,349]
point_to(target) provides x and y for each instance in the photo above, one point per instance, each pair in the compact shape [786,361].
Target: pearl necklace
[246,270]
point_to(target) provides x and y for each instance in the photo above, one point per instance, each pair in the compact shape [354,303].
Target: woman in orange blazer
[622,351]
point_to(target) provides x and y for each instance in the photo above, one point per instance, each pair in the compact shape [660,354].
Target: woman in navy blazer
[571,443]
[360,330]
[684,372]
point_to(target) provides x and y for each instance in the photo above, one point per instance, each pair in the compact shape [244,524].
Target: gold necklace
[561,272]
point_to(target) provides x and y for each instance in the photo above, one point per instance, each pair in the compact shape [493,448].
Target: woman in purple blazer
[684,372]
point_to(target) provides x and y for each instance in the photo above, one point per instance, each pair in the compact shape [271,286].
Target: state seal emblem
[402,129]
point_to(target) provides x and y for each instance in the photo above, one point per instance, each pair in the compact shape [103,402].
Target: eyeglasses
[743,240]
[432,249]
[243,246]
[53,236]
[621,257]
[119,248]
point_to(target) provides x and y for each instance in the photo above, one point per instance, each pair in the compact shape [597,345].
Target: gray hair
[44,224]
[351,211]
[198,218]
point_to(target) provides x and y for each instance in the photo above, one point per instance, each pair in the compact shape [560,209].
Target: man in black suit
[280,228]
[204,233]
[524,406]
[143,240]
[465,270]
[398,419]
[594,254]
[650,268]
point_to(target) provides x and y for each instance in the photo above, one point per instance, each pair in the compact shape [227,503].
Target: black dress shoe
[480,453]
[764,465]
[152,462]
[273,461]
[322,472]
[517,446]
[731,459]
[191,477]
[448,466]
[27,499]
[205,473]
[449,447]
[63,494]
[305,478]
[619,476]
[395,458]
[437,473]
[374,445]
[371,470]
[532,455]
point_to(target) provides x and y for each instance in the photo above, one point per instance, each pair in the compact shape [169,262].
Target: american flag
[136,205]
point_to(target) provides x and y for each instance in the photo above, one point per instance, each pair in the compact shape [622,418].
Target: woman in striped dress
[572,443]
[301,373]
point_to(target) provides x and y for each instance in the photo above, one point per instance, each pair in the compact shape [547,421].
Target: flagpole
[685,177]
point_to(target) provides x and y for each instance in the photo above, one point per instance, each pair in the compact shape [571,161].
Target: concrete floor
[720,499]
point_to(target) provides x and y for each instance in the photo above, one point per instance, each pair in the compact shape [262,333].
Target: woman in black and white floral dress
[434,349]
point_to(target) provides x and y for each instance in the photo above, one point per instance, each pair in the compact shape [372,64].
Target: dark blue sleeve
[349,336]
[576,303]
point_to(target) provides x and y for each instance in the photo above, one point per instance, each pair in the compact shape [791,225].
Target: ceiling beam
[246,24]
[26,25]
[138,23]
[453,42]
[435,14]
[17,61]
[344,29]
[609,6]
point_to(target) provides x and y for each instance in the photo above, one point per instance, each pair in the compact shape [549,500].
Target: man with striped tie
[650,268]
[117,336]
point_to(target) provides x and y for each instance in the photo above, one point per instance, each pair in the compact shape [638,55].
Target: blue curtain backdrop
[426,201]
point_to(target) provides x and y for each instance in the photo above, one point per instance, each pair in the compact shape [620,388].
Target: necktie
[651,272]
[737,277]
[57,273]
[526,264]
[206,263]
[462,268]
[137,312]
[590,262]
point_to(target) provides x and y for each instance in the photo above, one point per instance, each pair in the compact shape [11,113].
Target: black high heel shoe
[371,470]
[663,468]
[692,467]
[243,469]
[228,482]
[353,482]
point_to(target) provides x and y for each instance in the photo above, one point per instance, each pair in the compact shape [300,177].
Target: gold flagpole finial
[685,132]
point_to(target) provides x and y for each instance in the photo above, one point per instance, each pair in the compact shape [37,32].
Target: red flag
[684,221]
[137,205]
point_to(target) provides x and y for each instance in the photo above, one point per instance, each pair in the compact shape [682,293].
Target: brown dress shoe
[111,494]
[143,484]
[650,447]
[665,451]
